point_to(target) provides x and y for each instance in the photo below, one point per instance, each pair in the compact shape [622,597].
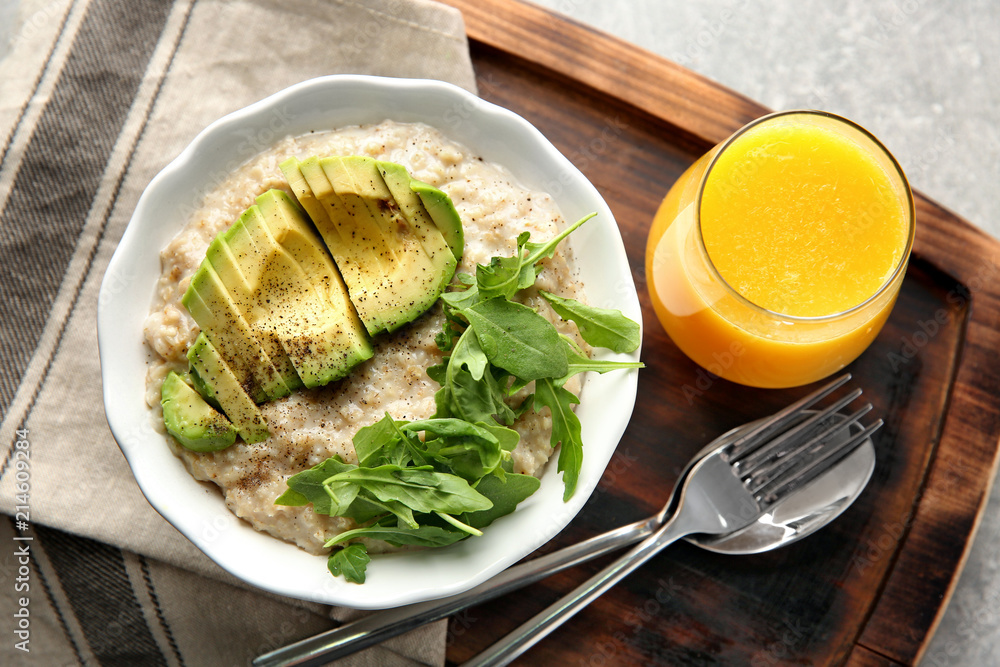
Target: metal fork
[381,625]
[727,490]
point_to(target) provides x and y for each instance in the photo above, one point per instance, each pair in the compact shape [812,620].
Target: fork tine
[778,465]
[812,467]
[779,420]
[773,449]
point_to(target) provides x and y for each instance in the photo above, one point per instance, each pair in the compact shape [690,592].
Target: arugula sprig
[499,346]
[448,485]
[412,491]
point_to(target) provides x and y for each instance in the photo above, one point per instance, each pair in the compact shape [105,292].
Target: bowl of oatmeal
[504,178]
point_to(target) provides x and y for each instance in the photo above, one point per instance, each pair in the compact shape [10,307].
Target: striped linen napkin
[96,96]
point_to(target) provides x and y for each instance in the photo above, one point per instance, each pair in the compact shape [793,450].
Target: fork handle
[543,623]
[381,625]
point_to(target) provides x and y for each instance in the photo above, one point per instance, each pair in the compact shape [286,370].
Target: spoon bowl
[804,511]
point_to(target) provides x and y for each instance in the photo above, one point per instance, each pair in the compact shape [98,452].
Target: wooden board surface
[870,588]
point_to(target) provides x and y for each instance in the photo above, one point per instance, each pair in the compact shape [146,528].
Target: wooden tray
[870,588]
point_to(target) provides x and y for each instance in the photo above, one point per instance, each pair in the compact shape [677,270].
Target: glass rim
[911,210]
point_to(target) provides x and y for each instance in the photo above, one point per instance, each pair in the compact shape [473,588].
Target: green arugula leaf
[565,430]
[601,327]
[505,493]
[311,485]
[470,450]
[366,507]
[411,449]
[517,339]
[444,402]
[507,437]
[420,489]
[504,276]
[462,298]
[469,353]
[439,372]
[341,497]
[465,279]
[424,536]
[384,443]
[372,442]
[291,498]
[462,394]
[473,400]
[448,428]
[448,403]
[350,561]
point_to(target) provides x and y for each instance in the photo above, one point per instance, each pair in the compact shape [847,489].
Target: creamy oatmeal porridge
[312,425]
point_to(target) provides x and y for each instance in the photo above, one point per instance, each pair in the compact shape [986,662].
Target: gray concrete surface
[924,76]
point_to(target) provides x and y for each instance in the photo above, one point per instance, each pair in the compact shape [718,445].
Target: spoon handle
[381,625]
[543,623]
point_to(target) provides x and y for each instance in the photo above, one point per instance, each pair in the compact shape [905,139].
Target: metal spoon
[800,514]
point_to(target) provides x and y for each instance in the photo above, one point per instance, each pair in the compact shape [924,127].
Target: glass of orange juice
[776,258]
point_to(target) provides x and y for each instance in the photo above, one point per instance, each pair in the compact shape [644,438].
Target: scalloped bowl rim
[195,508]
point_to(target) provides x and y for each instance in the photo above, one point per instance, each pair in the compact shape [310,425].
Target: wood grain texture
[862,657]
[870,588]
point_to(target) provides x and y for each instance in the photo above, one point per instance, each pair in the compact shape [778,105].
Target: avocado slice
[442,211]
[291,230]
[407,280]
[330,204]
[203,388]
[219,317]
[303,193]
[364,199]
[235,402]
[431,238]
[318,326]
[350,246]
[191,420]
[231,261]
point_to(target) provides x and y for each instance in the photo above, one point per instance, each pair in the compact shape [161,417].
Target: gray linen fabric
[96,96]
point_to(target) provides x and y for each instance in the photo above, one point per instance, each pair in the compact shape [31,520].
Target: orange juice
[775,259]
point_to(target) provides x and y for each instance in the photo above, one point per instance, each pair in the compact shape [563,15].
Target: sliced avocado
[364,200]
[191,420]
[320,329]
[291,230]
[203,388]
[348,244]
[443,213]
[236,259]
[397,179]
[206,300]
[406,279]
[232,255]
[235,402]
[220,319]
[323,192]
[303,193]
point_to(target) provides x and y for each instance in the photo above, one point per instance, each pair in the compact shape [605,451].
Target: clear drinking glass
[721,327]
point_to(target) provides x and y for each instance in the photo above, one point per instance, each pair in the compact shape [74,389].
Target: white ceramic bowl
[195,508]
